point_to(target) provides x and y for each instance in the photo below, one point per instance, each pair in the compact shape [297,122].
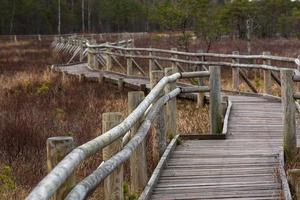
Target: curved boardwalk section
[244,166]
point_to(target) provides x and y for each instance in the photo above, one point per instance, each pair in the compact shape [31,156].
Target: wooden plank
[155,175]
[203,137]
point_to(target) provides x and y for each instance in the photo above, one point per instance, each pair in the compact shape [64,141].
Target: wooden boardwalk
[132,82]
[244,166]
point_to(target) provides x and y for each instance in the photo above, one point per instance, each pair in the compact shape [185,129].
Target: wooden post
[138,161]
[57,149]
[95,61]
[108,59]
[39,37]
[174,56]
[201,96]
[289,110]
[15,39]
[129,65]
[235,73]
[120,84]
[160,137]
[90,58]
[267,75]
[298,83]
[81,50]
[100,79]
[113,184]
[151,63]
[171,109]
[215,104]
[294,179]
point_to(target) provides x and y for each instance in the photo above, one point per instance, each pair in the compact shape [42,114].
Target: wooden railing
[74,47]
[141,61]
[90,36]
[125,139]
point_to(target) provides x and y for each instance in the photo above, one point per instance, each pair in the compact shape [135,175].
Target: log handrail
[60,173]
[215,55]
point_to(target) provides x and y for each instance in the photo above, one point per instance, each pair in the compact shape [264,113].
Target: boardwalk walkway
[244,166]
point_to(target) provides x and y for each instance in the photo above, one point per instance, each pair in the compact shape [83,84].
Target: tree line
[208,19]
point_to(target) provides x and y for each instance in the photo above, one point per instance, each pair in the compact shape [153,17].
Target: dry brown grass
[36,104]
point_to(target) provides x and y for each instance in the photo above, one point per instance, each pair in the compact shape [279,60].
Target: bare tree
[82,15]
[89,16]
[12,17]
[59,22]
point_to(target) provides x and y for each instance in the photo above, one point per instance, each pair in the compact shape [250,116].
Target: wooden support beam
[248,82]
[118,63]
[138,67]
[113,184]
[171,108]
[215,106]
[275,78]
[267,75]
[138,161]
[159,137]
[289,112]
[235,73]
[158,65]
[57,149]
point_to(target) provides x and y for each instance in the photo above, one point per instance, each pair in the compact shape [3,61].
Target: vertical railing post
[138,161]
[90,58]
[215,103]
[15,39]
[298,83]
[113,184]
[81,50]
[267,74]
[130,69]
[95,63]
[171,108]
[289,112]
[201,96]
[108,58]
[174,56]
[151,62]
[57,149]
[235,73]
[159,137]
[129,64]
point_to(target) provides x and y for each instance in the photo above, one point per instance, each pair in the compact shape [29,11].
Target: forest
[209,19]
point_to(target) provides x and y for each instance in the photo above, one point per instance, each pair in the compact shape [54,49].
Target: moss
[127,194]
[7,180]
[43,89]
